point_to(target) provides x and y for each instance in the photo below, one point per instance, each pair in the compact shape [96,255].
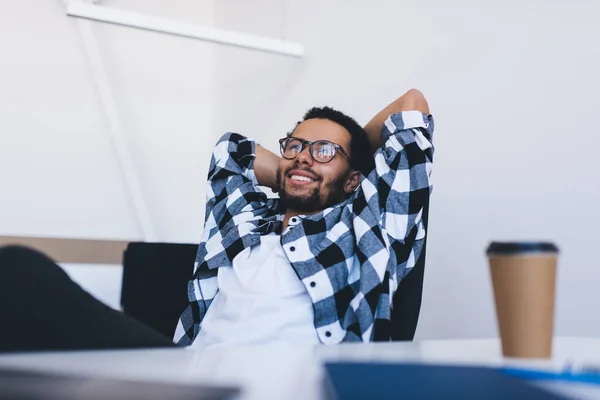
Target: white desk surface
[285,372]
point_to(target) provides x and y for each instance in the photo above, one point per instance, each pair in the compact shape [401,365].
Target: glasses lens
[291,147]
[323,151]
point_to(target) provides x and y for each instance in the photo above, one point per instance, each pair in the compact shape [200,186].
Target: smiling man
[320,264]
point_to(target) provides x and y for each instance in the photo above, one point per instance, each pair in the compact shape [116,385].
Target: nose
[304,156]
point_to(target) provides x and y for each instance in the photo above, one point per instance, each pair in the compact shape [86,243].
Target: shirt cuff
[406,120]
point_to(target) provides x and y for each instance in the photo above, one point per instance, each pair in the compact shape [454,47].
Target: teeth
[301,178]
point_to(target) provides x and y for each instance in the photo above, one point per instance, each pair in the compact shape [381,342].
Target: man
[319,265]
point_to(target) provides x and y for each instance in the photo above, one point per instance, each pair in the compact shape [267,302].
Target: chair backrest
[407,299]
[155,280]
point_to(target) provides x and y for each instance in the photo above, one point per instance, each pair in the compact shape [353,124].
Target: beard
[310,202]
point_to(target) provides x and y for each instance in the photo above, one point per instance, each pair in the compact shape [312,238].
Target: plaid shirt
[350,257]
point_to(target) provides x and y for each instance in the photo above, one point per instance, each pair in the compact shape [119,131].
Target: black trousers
[41,308]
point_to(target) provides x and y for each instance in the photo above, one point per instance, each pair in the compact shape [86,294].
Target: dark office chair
[407,299]
[155,278]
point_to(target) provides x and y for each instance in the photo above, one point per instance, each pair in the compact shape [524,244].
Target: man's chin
[299,191]
[296,197]
[301,202]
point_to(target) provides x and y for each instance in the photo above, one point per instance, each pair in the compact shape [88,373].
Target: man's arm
[398,188]
[411,100]
[266,164]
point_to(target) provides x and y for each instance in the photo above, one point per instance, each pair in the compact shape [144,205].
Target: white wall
[103,281]
[512,86]
[58,167]
[163,85]
[58,172]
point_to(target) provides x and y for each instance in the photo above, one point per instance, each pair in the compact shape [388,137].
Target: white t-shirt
[260,300]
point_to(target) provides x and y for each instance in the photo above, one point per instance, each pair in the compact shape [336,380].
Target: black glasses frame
[337,148]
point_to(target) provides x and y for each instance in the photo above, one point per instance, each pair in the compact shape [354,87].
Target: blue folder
[353,381]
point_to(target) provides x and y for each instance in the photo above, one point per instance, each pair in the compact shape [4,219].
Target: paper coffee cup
[524,281]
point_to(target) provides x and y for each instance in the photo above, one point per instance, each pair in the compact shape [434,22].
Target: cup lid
[508,248]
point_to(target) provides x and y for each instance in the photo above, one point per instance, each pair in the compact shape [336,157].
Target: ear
[352,182]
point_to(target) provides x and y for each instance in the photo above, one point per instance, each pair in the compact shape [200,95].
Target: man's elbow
[415,100]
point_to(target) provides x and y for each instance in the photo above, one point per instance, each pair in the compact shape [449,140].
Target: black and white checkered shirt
[350,257]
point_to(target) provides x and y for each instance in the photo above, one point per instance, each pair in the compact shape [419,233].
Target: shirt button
[292,248]
[328,334]
[313,284]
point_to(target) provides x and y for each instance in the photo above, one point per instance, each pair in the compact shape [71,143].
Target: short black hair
[361,156]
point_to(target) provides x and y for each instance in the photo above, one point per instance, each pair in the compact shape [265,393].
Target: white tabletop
[285,372]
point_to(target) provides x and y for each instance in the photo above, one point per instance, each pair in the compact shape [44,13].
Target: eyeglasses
[321,151]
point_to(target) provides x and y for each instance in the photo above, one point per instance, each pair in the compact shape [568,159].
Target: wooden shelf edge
[73,251]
